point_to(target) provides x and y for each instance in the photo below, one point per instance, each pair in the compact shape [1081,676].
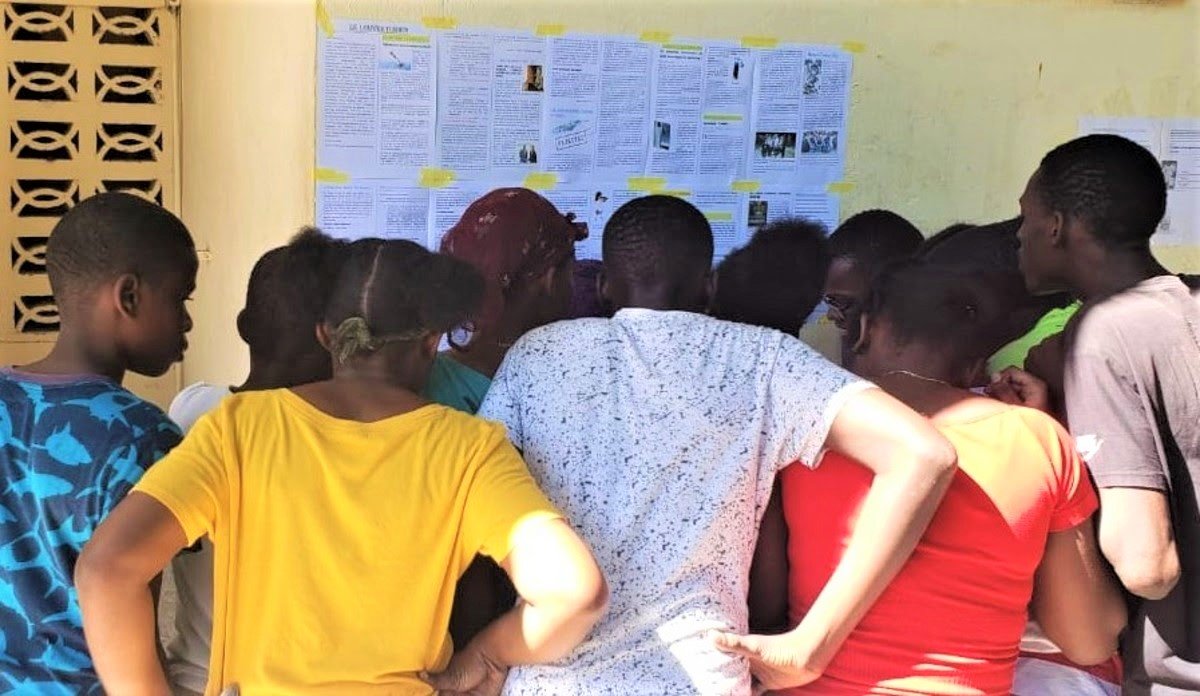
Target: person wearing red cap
[525,250]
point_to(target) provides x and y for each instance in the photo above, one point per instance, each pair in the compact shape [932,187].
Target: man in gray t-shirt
[1131,385]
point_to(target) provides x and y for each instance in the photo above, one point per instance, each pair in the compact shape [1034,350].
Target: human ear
[324,336]
[127,294]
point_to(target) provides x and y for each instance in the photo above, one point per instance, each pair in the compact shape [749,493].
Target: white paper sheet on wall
[377,110]
[415,123]
[1176,145]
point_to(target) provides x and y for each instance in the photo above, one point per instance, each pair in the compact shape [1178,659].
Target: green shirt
[1014,354]
[453,384]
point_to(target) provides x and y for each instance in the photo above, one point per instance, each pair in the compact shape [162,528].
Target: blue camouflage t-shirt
[70,449]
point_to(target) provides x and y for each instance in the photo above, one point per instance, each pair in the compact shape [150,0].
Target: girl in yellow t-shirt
[341,515]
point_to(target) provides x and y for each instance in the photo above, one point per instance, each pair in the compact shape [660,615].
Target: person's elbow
[97,567]
[589,596]
[1150,578]
[935,460]
[1089,653]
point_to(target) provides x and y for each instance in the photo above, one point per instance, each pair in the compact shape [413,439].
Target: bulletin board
[416,120]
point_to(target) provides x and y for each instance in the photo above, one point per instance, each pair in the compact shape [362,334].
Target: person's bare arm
[768,600]
[1137,539]
[563,595]
[1075,598]
[113,579]
[913,466]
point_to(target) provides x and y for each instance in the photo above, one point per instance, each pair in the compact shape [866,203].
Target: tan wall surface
[953,104]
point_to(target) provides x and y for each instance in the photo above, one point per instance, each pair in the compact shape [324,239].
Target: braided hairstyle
[392,291]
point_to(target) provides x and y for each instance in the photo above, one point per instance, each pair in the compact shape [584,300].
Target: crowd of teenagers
[494,468]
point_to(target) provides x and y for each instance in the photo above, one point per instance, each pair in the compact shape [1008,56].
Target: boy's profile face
[152,336]
[846,287]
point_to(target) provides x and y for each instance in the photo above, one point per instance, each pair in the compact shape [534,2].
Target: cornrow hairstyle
[286,295]
[393,291]
[1110,183]
[657,240]
[874,238]
[776,279]
[111,234]
[954,311]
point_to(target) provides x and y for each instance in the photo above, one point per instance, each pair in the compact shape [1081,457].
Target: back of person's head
[992,250]
[873,238]
[586,300]
[523,246]
[110,235]
[397,292]
[1111,184]
[949,313]
[944,235]
[121,269]
[285,301]
[776,279]
[661,244]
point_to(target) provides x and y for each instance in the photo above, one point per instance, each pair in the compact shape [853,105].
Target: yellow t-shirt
[338,543]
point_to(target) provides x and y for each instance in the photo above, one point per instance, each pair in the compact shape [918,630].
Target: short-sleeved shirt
[1132,386]
[659,435]
[71,447]
[453,384]
[951,621]
[192,570]
[338,543]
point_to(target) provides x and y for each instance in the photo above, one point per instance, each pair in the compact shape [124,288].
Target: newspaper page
[597,107]
[728,89]
[384,208]
[774,138]
[490,102]
[572,104]
[722,208]
[1181,169]
[623,130]
[772,205]
[678,100]
[377,94]
[824,102]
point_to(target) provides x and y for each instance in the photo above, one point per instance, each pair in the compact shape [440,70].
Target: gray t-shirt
[1132,386]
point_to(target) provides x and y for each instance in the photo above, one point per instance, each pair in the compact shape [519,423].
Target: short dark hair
[992,250]
[944,235]
[873,238]
[402,291]
[286,296]
[1111,183]
[776,279]
[957,311]
[990,247]
[657,239]
[111,234]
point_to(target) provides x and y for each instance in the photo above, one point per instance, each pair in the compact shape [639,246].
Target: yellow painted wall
[953,104]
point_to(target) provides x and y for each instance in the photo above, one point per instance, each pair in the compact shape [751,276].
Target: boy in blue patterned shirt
[73,442]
